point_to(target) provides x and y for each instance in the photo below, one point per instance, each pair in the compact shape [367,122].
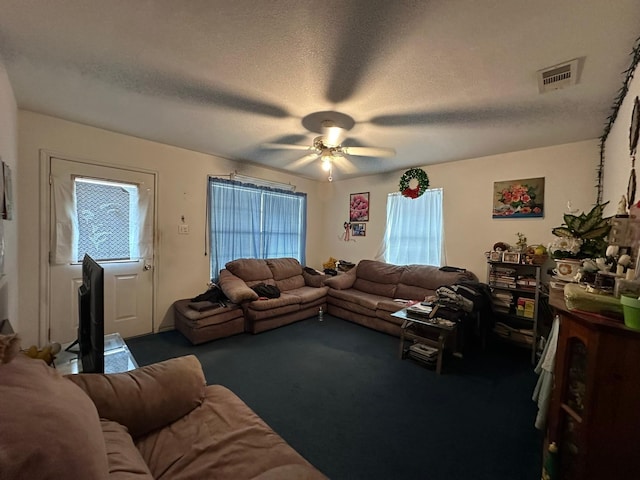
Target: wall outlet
[183,229]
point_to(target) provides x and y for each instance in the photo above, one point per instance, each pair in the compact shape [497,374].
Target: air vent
[558,76]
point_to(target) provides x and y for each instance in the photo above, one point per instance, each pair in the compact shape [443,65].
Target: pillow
[125,460]
[146,398]
[50,428]
[284,267]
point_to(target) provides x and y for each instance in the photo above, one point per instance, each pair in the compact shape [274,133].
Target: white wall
[569,171]
[182,267]
[9,154]
[617,161]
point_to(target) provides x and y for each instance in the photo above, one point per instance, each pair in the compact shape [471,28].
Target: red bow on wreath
[411,192]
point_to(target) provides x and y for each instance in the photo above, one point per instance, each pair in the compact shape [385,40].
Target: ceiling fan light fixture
[332,134]
[326,158]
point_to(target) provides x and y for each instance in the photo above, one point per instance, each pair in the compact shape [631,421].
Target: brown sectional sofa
[365,294]
[157,422]
[301,294]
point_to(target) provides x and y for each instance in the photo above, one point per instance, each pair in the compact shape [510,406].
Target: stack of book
[526,282]
[420,311]
[504,277]
[423,353]
[502,301]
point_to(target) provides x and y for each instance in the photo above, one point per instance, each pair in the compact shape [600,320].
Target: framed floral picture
[519,198]
[359,207]
[359,229]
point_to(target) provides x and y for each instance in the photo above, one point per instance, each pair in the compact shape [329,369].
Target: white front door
[106,205]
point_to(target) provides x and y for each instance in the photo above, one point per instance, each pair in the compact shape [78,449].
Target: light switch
[183,229]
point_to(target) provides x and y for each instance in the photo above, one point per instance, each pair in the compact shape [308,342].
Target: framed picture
[519,198]
[510,257]
[495,256]
[359,229]
[359,207]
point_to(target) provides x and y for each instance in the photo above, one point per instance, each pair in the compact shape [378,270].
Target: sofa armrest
[342,282]
[235,288]
[149,397]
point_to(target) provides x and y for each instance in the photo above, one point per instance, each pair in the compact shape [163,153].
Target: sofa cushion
[357,297]
[349,306]
[290,283]
[282,268]
[378,278]
[309,294]
[268,303]
[147,398]
[223,436]
[388,305]
[235,288]
[250,269]
[417,281]
[125,461]
[50,428]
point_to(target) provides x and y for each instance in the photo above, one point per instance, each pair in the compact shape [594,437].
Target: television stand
[117,357]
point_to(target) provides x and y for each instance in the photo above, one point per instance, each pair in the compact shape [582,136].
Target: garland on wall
[414,174]
[635,59]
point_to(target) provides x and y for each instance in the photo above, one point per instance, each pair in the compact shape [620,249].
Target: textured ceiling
[436,80]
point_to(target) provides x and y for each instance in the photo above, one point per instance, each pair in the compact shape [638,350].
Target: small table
[117,357]
[410,330]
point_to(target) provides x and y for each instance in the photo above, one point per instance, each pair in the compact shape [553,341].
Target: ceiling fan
[328,146]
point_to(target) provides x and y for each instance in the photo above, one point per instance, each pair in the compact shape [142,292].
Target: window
[414,232]
[247,221]
[107,219]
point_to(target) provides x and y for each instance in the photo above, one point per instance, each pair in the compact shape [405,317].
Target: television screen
[91,320]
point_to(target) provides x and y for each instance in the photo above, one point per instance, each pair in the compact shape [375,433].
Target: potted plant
[579,237]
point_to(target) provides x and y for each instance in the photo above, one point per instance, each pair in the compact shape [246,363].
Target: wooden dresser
[594,415]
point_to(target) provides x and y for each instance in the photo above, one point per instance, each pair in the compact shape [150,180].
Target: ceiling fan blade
[344,165]
[286,146]
[369,151]
[301,162]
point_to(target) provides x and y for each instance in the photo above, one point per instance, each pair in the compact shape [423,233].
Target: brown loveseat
[365,294]
[160,421]
[301,294]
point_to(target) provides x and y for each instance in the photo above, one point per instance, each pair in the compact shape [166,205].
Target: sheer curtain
[247,221]
[414,232]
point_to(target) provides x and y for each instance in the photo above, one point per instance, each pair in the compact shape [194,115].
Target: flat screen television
[91,317]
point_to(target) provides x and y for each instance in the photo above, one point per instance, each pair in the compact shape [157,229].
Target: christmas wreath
[411,174]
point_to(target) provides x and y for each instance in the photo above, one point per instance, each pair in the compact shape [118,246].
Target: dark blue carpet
[339,395]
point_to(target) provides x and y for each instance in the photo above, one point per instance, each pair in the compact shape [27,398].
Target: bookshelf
[515,295]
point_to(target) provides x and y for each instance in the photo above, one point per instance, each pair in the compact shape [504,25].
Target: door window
[107,215]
